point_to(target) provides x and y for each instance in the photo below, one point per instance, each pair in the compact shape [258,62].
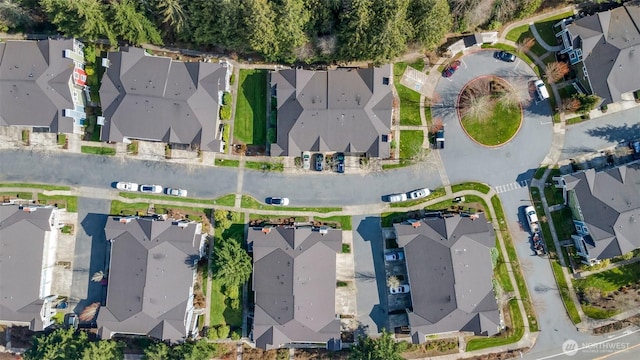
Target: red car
[448,72]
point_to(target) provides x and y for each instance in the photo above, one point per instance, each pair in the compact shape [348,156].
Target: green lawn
[567,91]
[63,201]
[20,195]
[517,33]
[98,150]
[410,143]
[516,330]
[250,124]
[221,311]
[266,217]
[576,120]
[499,128]
[122,208]
[35,186]
[471,186]
[610,280]
[344,220]
[226,200]
[249,202]
[563,222]
[546,30]
[409,99]
[402,163]
[564,292]
[540,172]
[264,165]
[229,163]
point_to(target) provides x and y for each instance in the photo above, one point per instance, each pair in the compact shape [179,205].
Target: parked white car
[306,160]
[397,197]
[419,193]
[176,192]
[402,289]
[532,218]
[278,201]
[153,189]
[126,186]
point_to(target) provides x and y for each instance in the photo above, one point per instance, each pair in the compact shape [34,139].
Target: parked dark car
[340,161]
[451,69]
[319,162]
[504,56]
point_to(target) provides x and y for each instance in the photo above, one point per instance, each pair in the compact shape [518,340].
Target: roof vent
[474,217]
[125,220]
[416,224]
[266,230]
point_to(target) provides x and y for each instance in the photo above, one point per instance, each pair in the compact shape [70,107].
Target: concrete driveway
[600,133]
[368,250]
[90,252]
[512,162]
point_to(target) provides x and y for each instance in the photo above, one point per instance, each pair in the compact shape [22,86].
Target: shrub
[587,102]
[627,256]
[223,331]
[226,98]
[235,335]
[225,112]
[235,304]
[212,333]
[232,79]
[272,135]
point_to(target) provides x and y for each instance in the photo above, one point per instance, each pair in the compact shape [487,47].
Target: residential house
[606,211]
[42,85]
[294,282]
[155,98]
[28,242]
[151,276]
[346,110]
[601,50]
[450,273]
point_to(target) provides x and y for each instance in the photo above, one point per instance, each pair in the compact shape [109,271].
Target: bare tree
[98,276]
[476,100]
[556,71]
[393,281]
[89,312]
[525,44]
[436,126]
[570,105]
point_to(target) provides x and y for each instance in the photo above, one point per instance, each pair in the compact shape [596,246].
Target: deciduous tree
[556,71]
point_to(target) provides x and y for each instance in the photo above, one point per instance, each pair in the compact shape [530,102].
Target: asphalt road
[512,162]
[597,134]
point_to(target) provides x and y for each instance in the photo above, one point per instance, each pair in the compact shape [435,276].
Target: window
[579,229]
[385,80]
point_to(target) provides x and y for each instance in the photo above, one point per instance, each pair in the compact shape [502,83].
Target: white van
[541,90]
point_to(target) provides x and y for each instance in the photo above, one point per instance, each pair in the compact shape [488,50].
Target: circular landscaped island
[490,110]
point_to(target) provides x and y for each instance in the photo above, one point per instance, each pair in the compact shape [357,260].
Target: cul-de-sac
[319,179]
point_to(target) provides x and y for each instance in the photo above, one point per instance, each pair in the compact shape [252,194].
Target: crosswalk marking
[512,186]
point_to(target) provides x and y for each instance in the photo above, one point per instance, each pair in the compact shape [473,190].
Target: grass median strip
[249,202]
[35,186]
[436,193]
[228,163]
[138,195]
[344,221]
[569,305]
[17,195]
[226,200]
[62,201]
[98,150]
[471,186]
[264,166]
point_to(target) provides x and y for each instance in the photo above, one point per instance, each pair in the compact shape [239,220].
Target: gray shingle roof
[345,110]
[610,204]
[34,84]
[155,98]
[150,274]
[609,41]
[22,236]
[449,267]
[294,279]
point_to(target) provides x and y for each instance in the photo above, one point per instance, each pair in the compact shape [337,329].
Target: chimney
[416,224]
[29,209]
[266,230]
[324,230]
